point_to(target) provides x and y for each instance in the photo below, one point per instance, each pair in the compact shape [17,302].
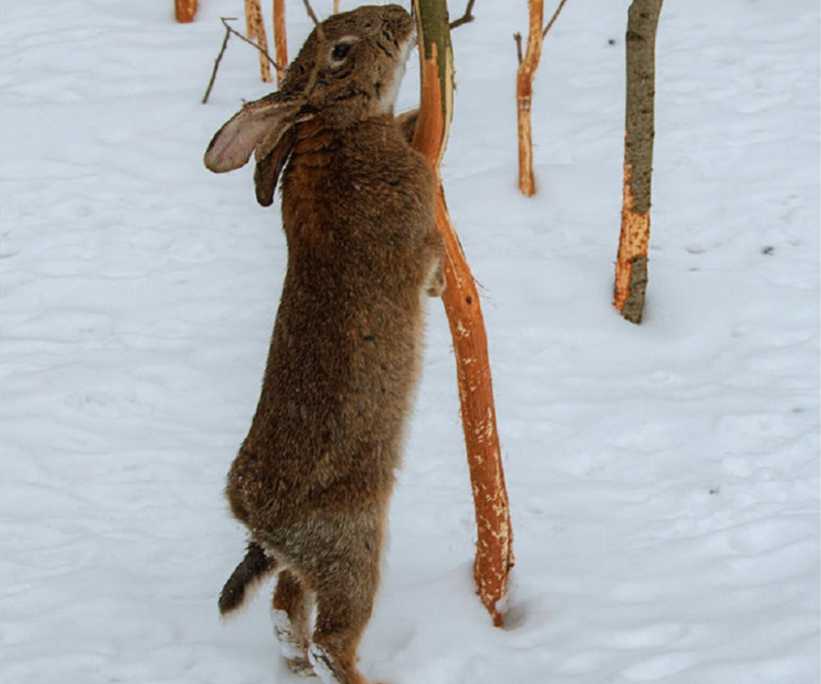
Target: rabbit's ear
[268,168]
[257,123]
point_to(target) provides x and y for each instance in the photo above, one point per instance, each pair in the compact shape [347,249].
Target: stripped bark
[255,29]
[280,40]
[524,96]
[185,10]
[631,264]
[528,64]
[494,549]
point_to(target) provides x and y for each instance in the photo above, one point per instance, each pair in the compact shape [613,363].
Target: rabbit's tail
[252,569]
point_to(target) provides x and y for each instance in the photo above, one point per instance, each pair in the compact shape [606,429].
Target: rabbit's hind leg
[345,603]
[291,614]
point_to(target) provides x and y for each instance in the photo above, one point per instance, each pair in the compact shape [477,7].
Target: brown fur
[314,475]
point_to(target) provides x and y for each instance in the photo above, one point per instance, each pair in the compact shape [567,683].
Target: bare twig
[518,38]
[250,42]
[553,18]
[229,30]
[466,18]
[310,11]
[336,6]
[218,60]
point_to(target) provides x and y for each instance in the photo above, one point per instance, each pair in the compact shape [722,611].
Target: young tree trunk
[494,549]
[336,6]
[631,263]
[524,96]
[184,10]
[280,40]
[255,28]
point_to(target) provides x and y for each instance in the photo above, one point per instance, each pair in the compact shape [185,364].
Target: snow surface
[663,478]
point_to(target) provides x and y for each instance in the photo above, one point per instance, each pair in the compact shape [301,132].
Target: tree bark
[631,264]
[185,10]
[524,96]
[280,40]
[255,29]
[494,549]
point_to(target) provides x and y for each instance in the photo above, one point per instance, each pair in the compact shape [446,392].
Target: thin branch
[466,18]
[218,60]
[553,19]
[250,42]
[518,38]
[228,31]
[310,11]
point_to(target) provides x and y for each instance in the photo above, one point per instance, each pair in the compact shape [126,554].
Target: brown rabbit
[314,475]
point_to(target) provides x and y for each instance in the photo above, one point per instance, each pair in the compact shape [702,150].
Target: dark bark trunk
[631,264]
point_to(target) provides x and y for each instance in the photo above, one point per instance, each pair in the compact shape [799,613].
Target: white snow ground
[663,478]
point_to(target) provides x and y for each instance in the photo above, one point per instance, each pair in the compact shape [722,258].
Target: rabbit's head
[348,70]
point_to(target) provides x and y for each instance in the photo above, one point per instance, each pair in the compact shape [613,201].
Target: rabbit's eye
[340,51]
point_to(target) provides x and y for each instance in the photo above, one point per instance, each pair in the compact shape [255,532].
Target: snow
[663,478]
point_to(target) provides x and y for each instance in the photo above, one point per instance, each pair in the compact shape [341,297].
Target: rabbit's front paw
[436,284]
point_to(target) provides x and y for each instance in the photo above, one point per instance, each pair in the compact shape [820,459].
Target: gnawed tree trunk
[255,30]
[528,64]
[524,96]
[494,549]
[185,10]
[280,40]
[631,263]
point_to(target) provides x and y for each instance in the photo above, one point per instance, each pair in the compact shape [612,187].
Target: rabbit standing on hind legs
[313,477]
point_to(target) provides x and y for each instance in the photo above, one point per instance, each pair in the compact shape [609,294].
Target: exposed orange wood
[494,548]
[255,30]
[280,40]
[524,96]
[432,128]
[634,241]
[185,10]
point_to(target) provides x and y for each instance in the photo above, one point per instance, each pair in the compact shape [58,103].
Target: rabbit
[313,477]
